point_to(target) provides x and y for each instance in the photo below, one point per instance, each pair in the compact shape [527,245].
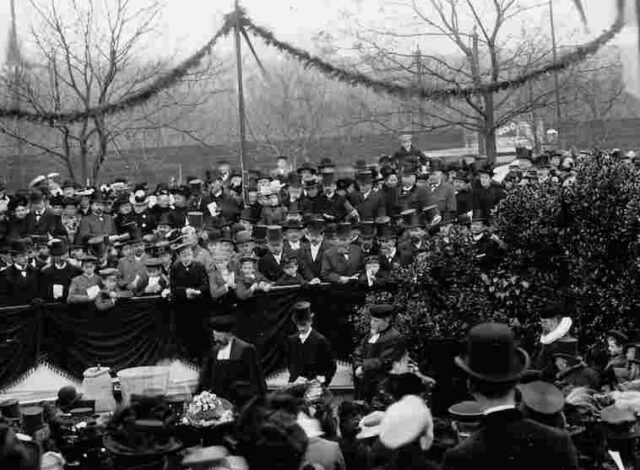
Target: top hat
[328,179]
[541,397]
[364,177]
[306,166]
[566,348]
[382,311]
[367,229]
[301,312]
[195,219]
[292,224]
[247,214]
[311,183]
[274,234]
[10,409]
[330,230]
[32,419]
[260,232]
[57,247]
[19,247]
[492,355]
[293,180]
[222,323]
[343,230]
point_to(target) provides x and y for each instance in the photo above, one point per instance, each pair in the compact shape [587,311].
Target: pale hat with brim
[405,421]
[370,425]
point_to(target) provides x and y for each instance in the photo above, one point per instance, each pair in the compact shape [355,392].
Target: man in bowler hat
[507,440]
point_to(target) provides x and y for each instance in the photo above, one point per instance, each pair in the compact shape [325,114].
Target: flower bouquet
[208,410]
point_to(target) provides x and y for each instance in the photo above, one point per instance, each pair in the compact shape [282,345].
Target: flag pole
[241,112]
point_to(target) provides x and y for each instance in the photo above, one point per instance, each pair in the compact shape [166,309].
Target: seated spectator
[85,288]
[291,275]
[55,278]
[250,280]
[110,293]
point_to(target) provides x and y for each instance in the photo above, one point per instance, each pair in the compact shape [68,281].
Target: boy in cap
[291,275]
[309,354]
[229,362]
[507,439]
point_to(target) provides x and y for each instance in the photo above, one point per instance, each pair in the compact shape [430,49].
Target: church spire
[13,57]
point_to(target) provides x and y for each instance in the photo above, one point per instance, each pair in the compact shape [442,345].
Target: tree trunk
[489,131]
[84,164]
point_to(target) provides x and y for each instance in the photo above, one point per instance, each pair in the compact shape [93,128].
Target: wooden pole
[241,112]
[555,59]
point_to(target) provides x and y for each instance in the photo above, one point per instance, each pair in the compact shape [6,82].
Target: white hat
[552,132]
[53,175]
[405,421]
[370,425]
[37,180]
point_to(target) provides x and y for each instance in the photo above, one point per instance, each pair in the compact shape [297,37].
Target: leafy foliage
[575,246]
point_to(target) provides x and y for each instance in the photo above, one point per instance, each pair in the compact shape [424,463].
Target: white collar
[561,330]
[304,337]
[495,409]
[19,268]
[392,254]
[60,266]
[225,351]
[295,246]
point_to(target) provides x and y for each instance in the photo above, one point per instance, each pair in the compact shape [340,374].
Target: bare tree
[87,55]
[484,50]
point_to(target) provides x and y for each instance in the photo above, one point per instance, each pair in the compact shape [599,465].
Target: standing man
[407,151]
[55,278]
[311,253]
[343,262]
[383,346]
[507,440]
[230,362]
[443,193]
[309,355]
[96,223]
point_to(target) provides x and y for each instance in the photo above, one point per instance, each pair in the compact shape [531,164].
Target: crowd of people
[227,237]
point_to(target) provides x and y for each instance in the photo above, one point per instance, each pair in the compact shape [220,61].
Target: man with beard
[230,362]
[380,349]
[97,223]
[367,237]
[311,253]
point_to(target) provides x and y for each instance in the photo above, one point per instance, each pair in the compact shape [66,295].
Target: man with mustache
[230,363]
[96,223]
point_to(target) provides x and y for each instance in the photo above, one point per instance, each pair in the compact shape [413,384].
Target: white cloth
[57,291]
[294,246]
[278,258]
[561,330]
[224,353]
[495,409]
[374,338]
[304,337]
[315,249]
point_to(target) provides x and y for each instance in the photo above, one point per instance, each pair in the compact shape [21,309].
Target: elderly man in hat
[20,281]
[55,278]
[309,354]
[343,262]
[381,348]
[230,362]
[443,193]
[556,328]
[96,223]
[507,439]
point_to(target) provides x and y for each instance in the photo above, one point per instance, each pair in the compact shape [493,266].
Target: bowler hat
[306,166]
[326,166]
[382,311]
[542,397]
[57,247]
[293,180]
[315,226]
[492,355]
[153,262]
[19,247]
[222,323]
[68,397]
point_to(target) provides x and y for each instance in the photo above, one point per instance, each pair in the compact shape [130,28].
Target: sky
[187,24]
